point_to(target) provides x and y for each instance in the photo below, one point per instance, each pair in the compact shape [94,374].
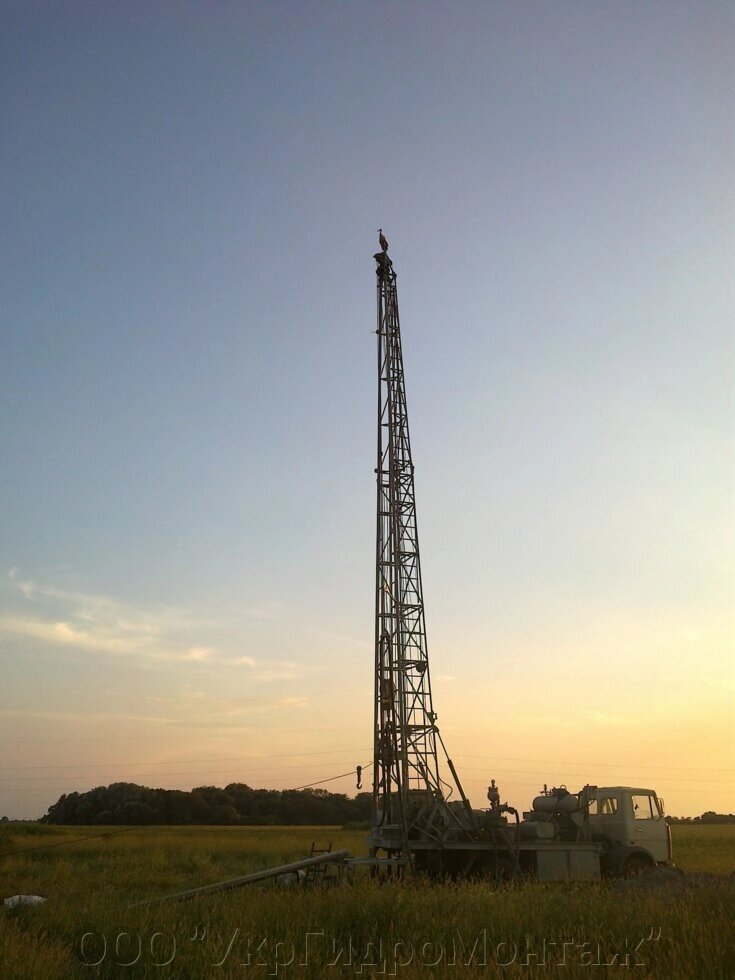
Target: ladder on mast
[407,786]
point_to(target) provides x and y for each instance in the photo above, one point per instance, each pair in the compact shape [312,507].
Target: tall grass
[682,929]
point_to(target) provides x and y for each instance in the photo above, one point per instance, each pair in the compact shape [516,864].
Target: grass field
[681,928]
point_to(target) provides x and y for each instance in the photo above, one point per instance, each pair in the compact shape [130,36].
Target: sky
[191,194]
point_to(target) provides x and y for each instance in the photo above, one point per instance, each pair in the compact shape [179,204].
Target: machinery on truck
[422,821]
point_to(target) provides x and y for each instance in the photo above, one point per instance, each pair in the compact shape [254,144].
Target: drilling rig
[414,813]
[423,822]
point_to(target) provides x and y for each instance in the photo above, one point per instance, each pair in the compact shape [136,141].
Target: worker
[493,794]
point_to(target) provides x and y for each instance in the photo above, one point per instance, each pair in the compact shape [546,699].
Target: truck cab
[630,823]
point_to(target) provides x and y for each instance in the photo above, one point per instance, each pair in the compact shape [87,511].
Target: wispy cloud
[105,625]
[20,714]
[104,635]
[65,634]
[200,653]
[241,661]
[87,621]
[89,625]
[284,670]
[194,708]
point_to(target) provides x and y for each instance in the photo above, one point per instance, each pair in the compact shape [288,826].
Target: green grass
[681,930]
[708,848]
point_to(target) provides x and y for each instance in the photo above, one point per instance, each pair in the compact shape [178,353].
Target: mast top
[385,266]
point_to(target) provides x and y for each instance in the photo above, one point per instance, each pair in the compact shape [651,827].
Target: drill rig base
[485,860]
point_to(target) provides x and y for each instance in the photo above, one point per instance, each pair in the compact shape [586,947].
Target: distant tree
[106,816]
[238,803]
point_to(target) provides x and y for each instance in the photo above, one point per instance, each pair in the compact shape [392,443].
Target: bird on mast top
[384,262]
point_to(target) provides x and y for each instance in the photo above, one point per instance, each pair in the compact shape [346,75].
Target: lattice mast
[405,749]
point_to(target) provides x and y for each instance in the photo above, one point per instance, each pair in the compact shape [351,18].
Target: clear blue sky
[190,198]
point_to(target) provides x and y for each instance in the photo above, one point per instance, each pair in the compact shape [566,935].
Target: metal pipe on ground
[337,857]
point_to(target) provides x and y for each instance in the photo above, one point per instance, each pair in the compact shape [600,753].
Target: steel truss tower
[415,821]
[406,778]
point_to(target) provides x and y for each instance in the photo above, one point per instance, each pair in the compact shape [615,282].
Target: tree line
[236,804]
[709,816]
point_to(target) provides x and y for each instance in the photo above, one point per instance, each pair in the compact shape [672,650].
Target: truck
[598,832]
[610,831]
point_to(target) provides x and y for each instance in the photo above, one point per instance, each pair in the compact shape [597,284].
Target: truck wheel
[636,865]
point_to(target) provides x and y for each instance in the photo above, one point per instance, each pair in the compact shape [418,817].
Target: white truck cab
[631,822]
